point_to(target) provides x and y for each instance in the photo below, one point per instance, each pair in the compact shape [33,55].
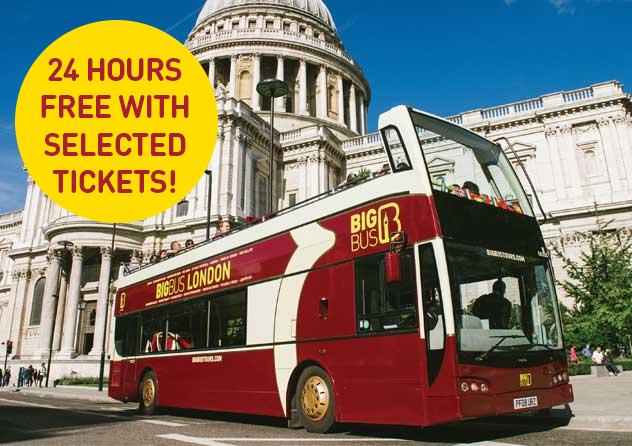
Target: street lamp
[272,88]
[208,204]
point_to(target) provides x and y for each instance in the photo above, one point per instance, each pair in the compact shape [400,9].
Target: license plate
[525,403]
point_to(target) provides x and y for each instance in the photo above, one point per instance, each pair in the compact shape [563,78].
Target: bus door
[131,349]
[440,403]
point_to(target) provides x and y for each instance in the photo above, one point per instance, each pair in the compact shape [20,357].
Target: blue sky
[443,56]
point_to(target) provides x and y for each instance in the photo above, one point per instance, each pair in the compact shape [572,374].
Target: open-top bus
[416,298]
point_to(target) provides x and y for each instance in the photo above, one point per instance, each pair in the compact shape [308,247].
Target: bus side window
[153,332]
[382,306]
[228,320]
[187,326]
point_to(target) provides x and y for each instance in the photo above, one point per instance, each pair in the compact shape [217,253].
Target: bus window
[186,327]
[228,320]
[126,336]
[396,149]
[153,332]
[383,306]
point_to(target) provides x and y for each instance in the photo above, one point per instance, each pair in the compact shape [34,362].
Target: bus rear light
[464,387]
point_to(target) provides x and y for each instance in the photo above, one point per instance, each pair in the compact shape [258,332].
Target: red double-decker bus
[418,297]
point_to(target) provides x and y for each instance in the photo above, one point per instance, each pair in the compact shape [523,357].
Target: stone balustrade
[276,35]
[503,112]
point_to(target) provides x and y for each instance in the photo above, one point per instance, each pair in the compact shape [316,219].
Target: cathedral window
[269,24]
[292,199]
[38,298]
[286,26]
[182,209]
[252,23]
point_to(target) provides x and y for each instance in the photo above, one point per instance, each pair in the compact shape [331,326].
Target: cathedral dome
[314,8]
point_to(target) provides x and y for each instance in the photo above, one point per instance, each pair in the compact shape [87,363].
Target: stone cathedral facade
[576,146]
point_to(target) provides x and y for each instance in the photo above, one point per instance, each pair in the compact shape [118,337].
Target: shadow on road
[485,429]
[28,423]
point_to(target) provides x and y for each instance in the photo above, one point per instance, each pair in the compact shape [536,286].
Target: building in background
[576,146]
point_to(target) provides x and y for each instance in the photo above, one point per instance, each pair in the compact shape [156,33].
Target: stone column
[232,87]
[256,78]
[302,97]
[625,138]
[61,308]
[280,104]
[321,100]
[49,307]
[362,112]
[571,165]
[102,299]
[614,163]
[21,276]
[211,72]
[353,110]
[551,134]
[74,293]
[341,100]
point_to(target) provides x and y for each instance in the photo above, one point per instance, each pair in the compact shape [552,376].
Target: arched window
[38,298]
[244,91]
[182,209]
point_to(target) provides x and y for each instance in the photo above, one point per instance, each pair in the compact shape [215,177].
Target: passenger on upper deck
[472,187]
[385,170]
[224,229]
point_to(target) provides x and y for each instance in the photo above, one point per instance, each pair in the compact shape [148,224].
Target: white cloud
[563,6]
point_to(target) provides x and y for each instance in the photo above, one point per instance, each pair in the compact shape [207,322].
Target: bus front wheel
[148,394]
[315,400]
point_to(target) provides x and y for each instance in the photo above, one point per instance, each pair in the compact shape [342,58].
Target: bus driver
[494,307]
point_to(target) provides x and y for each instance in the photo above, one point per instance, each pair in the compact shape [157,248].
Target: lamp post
[272,88]
[208,204]
[105,320]
[50,345]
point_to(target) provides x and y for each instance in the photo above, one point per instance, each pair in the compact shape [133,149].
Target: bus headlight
[474,387]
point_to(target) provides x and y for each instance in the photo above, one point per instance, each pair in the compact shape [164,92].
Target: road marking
[164,423]
[24,403]
[203,441]
[487,443]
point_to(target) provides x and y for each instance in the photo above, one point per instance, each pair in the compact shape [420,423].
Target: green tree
[600,283]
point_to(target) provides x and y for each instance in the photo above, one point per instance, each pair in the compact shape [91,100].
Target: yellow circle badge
[116,121]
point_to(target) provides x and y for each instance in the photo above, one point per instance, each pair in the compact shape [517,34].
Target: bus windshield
[469,166]
[503,301]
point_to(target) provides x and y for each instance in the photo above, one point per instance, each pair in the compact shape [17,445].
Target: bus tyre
[147,393]
[315,400]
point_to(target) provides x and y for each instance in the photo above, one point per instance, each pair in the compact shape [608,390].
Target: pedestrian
[1,381]
[43,374]
[29,376]
[586,351]
[597,356]
[574,357]
[21,377]
[608,361]
[7,377]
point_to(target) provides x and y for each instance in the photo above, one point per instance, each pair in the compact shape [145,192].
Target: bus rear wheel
[315,400]
[148,394]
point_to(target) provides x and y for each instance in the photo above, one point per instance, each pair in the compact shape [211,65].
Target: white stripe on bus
[312,242]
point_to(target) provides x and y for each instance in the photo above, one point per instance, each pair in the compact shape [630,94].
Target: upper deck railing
[258,220]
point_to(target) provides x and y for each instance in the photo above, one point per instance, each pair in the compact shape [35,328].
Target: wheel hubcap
[315,398]
[148,392]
